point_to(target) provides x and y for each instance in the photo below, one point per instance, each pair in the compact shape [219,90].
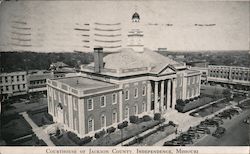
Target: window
[18,87]
[144,91]
[13,87]
[126,112]
[23,86]
[114,117]
[12,78]
[90,125]
[17,78]
[6,79]
[144,107]
[127,95]
[103,121]
[136,109]
[7,88]
[103,101]
[23,77]
[1,80]
[136,92]
[114,98]
[90,104]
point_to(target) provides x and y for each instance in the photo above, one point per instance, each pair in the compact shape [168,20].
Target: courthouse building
[133,81]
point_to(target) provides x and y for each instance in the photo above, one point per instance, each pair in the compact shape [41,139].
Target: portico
[163,95]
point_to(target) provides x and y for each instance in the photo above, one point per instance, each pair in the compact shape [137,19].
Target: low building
[13,84]
[36,80]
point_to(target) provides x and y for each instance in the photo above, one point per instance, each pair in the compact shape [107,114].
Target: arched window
[103,121]
[126,115]
[114,117]
[135,109]
[90,125]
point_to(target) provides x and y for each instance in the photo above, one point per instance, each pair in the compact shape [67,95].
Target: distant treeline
[21,61]
[228,58]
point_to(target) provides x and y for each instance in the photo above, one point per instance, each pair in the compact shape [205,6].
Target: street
[237,133]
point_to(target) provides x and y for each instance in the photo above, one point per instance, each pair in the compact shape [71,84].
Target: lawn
[16,128]
[128,132]
[157,136]
[40,118]
[212,108]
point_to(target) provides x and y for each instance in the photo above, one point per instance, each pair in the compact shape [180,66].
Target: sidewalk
[38,130]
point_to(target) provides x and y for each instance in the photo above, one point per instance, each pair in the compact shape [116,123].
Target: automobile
[219,120]
[203,129]
[219,132]
[169,143]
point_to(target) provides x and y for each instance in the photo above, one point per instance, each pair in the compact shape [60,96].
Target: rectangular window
[23,77]
[6,79]
[23,86]
[7,88]
[12,78]
[90,104]
[114,98]
[1,80]
[136,92]
[127,95]
[17,78]
[144,90]
[13,87]
[144,107]
[18,87]
[103,101]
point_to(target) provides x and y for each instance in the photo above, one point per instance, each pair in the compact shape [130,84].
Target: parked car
[219,132]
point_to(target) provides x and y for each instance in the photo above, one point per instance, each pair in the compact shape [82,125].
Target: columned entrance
[161,95]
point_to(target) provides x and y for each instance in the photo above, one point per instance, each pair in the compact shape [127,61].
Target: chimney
[98,59]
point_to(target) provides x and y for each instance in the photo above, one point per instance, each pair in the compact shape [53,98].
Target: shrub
[162,120]
[146,118]
[191,99]
[125,123]
[186,101]
[180,102]
[111,130]
[99,134]
[157,116]
[74,137]
[133,119]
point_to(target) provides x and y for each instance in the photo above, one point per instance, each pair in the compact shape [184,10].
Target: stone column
[168,94]
[173,93]
[162,96]
[149,101]
[156,104]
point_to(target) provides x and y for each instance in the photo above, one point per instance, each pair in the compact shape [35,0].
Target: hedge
[133,119]
[146,118]
[111,130]
[99,134]
[157,116]
[77,140]
[192,105]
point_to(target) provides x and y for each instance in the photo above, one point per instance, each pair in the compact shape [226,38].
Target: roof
[83,83]
[127,58]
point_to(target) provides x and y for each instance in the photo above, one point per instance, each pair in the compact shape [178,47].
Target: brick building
[133,81]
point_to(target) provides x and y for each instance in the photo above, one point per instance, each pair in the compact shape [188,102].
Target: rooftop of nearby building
[83,83]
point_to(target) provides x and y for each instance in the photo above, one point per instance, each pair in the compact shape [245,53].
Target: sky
[48,26]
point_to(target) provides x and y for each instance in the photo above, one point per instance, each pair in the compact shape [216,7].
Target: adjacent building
[13,84]
[132,81]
